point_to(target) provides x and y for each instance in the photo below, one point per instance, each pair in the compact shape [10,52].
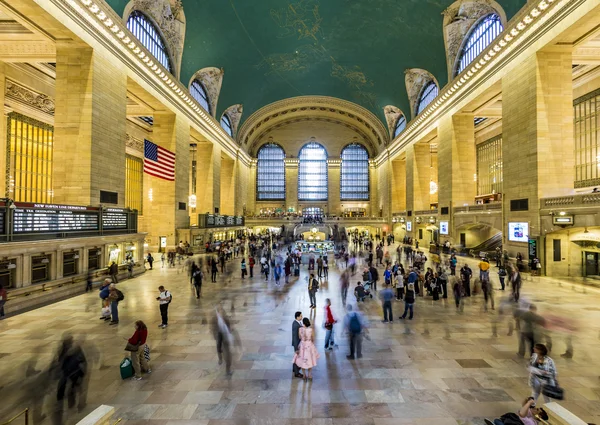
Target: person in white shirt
[164,299]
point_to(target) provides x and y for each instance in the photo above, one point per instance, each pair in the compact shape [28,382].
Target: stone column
[228,178]
[250,195]
[398,178]
[333,186]
[291,183]
[384,188]
[162,214]
[204,178]
[418,177]
[90,121]
[374,190]
[242,173]
[537,140]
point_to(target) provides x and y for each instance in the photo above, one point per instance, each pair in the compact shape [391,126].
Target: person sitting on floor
[529,414]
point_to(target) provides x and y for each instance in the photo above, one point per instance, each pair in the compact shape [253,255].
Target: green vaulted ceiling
[355,50]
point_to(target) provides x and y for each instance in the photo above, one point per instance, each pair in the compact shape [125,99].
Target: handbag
[146,352]
[329,326]
[553,391]
[131,347]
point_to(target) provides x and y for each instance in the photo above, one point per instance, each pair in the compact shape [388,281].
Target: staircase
[488,246]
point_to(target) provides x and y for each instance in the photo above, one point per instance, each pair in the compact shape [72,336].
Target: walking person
[542,372]
[251,263]
[307,355]
[243,265]
[162,260]
[488,293]
[530,324]
[71,365]
[113,270]
[114,296]
[296,325]
[374,276]
[502,275]
[214,269]
[313,286]
[136,345]
[457,291]
[3,297]
[355,325]
[197,277]
[399,281]
[164,299]
[344,284]
[466,273]
[150,260]
[387,295]
[320,266]
[130,265]
[325,267]
[409,301]
[221,328]
[329,322]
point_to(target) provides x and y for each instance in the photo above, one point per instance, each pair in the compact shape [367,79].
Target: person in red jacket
[3,296]
[329,322]
[251,264]
[138,359]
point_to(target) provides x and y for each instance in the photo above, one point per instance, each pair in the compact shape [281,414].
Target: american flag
[159,162]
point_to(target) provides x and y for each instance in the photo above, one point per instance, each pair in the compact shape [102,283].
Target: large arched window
[270,173]
[429,92]
[400,125]
[145,31]
[198,92]
[354,180]
[226,124]
[480,37]
[312,173]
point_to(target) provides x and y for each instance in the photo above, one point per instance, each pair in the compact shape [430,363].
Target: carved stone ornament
[416,79]
[459,18]
[234,113]
[134,143]
[212,79]
[29,97]
[166,15]
[392,114]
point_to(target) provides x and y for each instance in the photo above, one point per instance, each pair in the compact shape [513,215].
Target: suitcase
[126,368]
[297,272]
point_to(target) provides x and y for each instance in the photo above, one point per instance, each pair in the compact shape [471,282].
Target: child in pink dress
[307,355]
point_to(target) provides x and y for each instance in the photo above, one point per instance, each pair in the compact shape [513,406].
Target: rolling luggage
[126,368]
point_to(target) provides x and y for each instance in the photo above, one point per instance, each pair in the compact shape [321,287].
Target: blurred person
[374,277]
[409,301]
[138,358]
[344,285]
[150,260]
[531,324]
[325,267]
[197,278]
[502,275]
[466,273]
[320,266]
[221,329]
[277,273]
[71,366]
[113,271]
[328,325]
[399,283]
[484,269]
[3,297]
[359,292]
[515,282]
[488,293]
[542,372]
[457,291]
[307,355]
[386,302]
[164,299]
[214,269]
[251,263]
[355,326]
[296,325]
[243,266]
[114,296]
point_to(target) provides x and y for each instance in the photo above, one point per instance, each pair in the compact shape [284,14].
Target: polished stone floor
[443,368]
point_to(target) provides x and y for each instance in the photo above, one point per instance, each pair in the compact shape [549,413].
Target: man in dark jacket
[374,276]
[465,274]
[296,325]
[113,270]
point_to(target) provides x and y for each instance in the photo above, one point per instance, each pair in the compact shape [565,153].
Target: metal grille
[226,124]
[312,173]
[400,126]
[587,145]
[480,37]
[145,31]
[199,93]
[134,183]
[354,181]
[270,173]
[429,93]
[29,160]
[489,166]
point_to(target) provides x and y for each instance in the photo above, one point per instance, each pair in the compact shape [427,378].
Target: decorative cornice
[212,79]
[134,143]
[29,97]
[415,79]
[235,112]
[392,114]
[497,55]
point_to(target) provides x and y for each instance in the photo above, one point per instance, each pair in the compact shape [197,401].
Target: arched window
[145,31]
[226,124]
[354,180]
[198,92]
[312,173]
[400,125]
[430,92]
[480,37]
[270,173]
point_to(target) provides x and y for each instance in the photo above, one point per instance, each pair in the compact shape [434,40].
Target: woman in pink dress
[307,355]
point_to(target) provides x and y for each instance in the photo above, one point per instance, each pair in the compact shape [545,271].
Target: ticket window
[94,259]
[8,273]
[40,269]
[70,263]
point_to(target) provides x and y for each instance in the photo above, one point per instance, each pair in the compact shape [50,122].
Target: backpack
[315,284]
[511,419]
[120,296]
[355,326]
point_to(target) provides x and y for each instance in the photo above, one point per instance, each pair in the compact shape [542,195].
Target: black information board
[216,220]
[29,220]
[114,219]
[2,223]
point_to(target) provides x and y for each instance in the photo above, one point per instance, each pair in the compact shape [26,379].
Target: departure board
[113,218]
[2,223]
[46,220]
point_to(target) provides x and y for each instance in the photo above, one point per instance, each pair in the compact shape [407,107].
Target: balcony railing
[582,200]
[426,212]
[494,206]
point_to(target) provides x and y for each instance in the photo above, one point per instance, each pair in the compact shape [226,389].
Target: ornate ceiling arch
[314,108]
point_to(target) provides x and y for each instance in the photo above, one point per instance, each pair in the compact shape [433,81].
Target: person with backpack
[313,286]
[164,299]
[197,277]
[502,275]
[409,301]
[150,260]
[114,296]
[355,326]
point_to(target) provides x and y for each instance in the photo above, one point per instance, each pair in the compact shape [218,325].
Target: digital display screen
[28,220]
[518,232]
[409,226]
[443,227]
[114,219]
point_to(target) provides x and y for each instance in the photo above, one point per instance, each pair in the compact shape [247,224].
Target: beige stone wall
[384,189]
[241,187]
[537,136]
[291,185]
[418,177]
[204,178]
[398,175]
[227,186]
[333,183]
[89,149]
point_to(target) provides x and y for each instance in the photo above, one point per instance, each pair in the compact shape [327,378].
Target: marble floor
[442,368]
